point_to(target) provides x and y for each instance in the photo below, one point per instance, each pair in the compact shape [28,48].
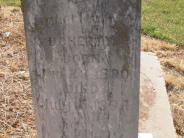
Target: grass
[164,19]
[174,64]
[10,2]
[174,82]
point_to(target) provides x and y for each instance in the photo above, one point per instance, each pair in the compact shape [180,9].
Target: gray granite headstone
[84,59]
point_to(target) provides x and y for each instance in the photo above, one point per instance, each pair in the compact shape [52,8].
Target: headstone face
[84,65]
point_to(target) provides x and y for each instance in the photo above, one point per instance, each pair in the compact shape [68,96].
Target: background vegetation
[10,2]
[164,19]
[161,19]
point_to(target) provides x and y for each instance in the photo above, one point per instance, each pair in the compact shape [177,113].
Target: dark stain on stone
[121,34]
[120,43]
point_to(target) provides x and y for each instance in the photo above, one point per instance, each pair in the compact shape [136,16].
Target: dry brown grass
[152,45]
[178,110]
[16,114]
[173,63]
[174,82]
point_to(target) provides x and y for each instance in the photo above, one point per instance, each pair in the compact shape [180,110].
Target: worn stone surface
[84,63]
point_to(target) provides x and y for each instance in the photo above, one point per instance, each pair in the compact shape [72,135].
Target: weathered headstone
[84,63]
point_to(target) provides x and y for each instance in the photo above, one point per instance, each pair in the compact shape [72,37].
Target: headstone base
[145,135]
[155,113]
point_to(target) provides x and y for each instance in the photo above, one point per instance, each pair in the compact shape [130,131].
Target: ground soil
[16,111]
